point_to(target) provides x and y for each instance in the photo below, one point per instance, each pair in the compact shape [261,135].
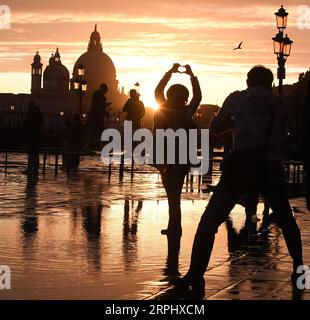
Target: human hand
[175,68]
[188,70]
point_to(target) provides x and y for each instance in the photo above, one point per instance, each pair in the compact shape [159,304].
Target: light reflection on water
[86,237]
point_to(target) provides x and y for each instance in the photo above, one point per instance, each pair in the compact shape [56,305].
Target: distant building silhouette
[52,89]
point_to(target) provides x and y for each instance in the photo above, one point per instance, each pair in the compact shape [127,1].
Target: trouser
[33,162]
[222,202]
[173,179]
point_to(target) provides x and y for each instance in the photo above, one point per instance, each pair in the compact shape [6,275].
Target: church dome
[56,76]
[56,71]
[98,65]
[37,58]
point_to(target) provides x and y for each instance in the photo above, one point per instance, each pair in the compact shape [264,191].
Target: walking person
[96,121]
[259,118]
[135,109]
[175,113]
[32,130]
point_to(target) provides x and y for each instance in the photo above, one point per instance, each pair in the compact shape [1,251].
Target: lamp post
[80,85]
[281,45]
[137,86]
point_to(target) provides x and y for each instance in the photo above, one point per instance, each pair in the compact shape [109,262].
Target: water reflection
[89,191]
[29,220]
[130,230]
[92,226]
[74,236]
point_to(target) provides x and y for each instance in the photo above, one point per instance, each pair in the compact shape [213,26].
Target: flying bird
[239,47]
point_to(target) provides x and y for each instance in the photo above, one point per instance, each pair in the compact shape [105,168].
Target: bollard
[132,167]
[44,162]
[110,171]
[56,164]
[191,183]
[199,182]
[121,168]
[6,161]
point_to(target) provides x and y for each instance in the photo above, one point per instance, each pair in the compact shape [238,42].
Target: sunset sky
[144,38]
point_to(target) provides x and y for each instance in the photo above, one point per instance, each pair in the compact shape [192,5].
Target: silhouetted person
[135,109]
[32,130]
[175,113]
[96,121]
[306,138]
[255,165]
[250,202]
[73,142]
[172,262]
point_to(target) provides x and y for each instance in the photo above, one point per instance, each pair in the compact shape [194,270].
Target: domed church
[99,68]
[56,76]
[56,95]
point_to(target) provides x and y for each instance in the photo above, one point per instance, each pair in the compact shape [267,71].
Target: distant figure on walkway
[175,113]
[32,130]
[73,142]
[135,109]
[96,121]
[255,165]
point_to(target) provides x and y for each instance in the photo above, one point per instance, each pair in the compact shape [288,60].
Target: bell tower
[36,74]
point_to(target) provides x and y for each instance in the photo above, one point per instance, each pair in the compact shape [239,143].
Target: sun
[149,102]
[155,106]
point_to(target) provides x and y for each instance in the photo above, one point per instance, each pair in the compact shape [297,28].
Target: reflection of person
[92,226]
[255,165]
[97,116]
[32,129]
[29,219]
[135,109]
[174,113]
[130,230]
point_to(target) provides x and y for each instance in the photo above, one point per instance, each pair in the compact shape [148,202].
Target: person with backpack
[135,109]
[174,113]
[259,120]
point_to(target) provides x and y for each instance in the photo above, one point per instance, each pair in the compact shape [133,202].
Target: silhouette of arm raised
[195,102]
[159,91]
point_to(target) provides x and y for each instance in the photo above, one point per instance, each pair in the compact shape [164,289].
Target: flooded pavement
[91,236]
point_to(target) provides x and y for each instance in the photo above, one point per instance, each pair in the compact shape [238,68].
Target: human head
[177,94]
[104,88]
[133,94]
[260,76]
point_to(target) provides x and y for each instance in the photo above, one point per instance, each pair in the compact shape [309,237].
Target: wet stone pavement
[91,236]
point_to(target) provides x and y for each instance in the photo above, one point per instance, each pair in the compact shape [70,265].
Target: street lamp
[81,70]
[80,85]
[281,18]
[281,45]
[137,86]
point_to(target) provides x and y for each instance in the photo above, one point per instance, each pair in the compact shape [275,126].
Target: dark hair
[104,87]
[260,76]
[178,92]
[133,93]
